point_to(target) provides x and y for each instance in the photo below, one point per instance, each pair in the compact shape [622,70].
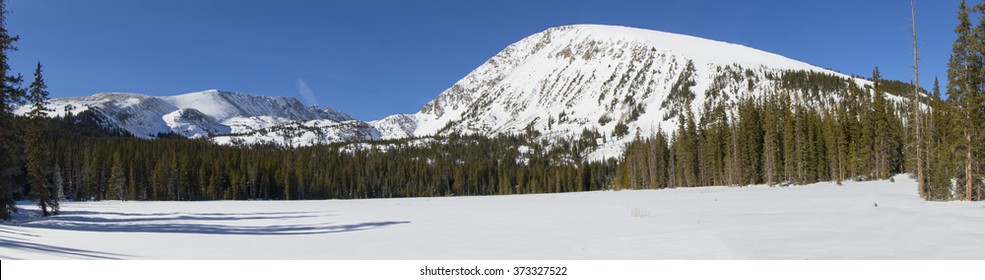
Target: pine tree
[714,136]
[865,136]
[930,142]
[658,163]
[731,158]
[964,90]
[751,143]
[789,139]
[877,124]
[842,134]
[978,108]
[117,179]
[59,182]
[772,133]
[688,151]
[829,130]
[215,179]
[883,134]
[37,154]
[942,165]
[10,95]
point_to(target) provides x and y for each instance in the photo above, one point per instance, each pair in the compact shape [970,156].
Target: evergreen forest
[778,139]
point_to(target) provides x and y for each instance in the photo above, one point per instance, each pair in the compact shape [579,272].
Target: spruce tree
[829,130]
[59,181]
[38,172]
[117,179]
[964,90]
[771,142]
[978,108]
[750,146]
[802,149]
[842,138]
[942,164]
[930,133]
[789,139]
[883,134]
[10,95]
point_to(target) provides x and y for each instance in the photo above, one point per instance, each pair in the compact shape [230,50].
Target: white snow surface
[860,220]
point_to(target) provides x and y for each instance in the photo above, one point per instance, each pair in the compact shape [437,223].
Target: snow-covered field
[861,220]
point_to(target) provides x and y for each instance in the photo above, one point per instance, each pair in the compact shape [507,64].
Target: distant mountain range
[559,83]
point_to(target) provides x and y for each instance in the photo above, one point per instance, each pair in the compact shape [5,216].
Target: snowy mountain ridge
[193,115]
[616,82]
[569,79]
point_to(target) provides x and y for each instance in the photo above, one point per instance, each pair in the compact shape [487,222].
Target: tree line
[787,138]
[87,163]
[777,138]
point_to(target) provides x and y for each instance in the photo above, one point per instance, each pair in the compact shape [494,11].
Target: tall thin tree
[916,104]
[962,91]
[38,170]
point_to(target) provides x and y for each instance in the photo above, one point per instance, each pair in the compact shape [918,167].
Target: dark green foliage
[782,138]
[10,144]
[966,95]
[117,180]
[887,132]
[788,138]
[620,130]
[777,139]
[942,163]
[899,88]
[714,148]
[685,153]
[38,165]
[106,167]
[773,124]
[750,142]
[812,84]
[679,99]
[604,119]
[645,164]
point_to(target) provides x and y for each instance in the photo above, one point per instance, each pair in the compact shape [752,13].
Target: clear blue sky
[375,58]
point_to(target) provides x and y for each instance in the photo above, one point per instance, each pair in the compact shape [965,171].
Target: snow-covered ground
[860,220]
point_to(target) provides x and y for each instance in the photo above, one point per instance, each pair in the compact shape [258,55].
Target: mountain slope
[195,115]
[569,79]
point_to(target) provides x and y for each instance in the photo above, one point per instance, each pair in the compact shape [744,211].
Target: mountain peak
[621,82]
[194,114]
[698,49]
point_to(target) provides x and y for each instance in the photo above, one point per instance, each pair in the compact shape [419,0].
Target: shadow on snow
[20,244]
[89,217]
[177,223]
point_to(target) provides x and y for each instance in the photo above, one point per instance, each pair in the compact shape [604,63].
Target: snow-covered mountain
[557,83]
[568,79]
[194,115]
